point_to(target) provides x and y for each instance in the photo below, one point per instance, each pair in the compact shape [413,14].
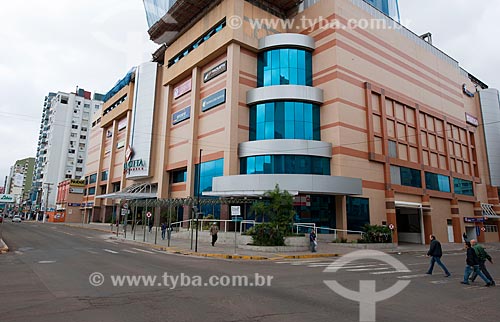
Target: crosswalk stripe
[348,267]
[412,276]
[367,269]
[129,251]
[391,272]
[110,251]
[143,250]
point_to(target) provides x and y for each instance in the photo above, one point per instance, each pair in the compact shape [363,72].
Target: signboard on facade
[235,211]
[181,115]
[213,100]
[182,89]
[133,166]
[302,201]
[472,120]
[7,198]
[141,122]
[122,124]
[214,72]
[18,179]
[474,219]
[75,204]
[77,183]
[76,190]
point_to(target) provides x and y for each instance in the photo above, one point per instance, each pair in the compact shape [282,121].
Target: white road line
[417,264]
[129,251]
[143,250]
[68,233]
[349,267]
[413,276]
[110,251]
[391,272]
[367,269]
[92,252]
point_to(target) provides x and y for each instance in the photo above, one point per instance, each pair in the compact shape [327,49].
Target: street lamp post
[198,202]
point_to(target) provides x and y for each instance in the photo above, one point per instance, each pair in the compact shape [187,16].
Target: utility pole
[46,201]
[198,209]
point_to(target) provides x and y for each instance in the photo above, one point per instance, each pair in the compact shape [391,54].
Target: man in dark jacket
[483,256]
[473,265]
[436,252]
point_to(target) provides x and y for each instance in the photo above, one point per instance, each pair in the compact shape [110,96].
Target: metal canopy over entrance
[135,191]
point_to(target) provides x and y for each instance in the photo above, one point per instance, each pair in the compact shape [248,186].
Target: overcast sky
[56,45]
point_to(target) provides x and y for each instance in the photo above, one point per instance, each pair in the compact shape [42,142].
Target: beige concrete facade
[380,85]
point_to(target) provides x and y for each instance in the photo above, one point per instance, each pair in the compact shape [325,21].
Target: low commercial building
[69,201]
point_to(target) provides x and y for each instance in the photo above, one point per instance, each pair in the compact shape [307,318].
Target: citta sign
[7,198]
[472,120]
[214,72]
[134,166]
[213,100]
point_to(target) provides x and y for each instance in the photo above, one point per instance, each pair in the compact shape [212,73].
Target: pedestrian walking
[313,242]
[435,253]
[214,230]
[483,257]
[163,230]
[472,261]
[150,224]
[464,236]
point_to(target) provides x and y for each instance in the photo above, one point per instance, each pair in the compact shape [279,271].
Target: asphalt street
[45,277]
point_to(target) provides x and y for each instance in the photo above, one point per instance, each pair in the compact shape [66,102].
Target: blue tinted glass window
[437,182]
[209,170]
[410,177]
[284,66]
[358,213]
[284,120]
[285,164]
[463,187]
[179,176]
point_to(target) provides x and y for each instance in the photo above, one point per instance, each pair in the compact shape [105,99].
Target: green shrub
[267,234]
[376,234]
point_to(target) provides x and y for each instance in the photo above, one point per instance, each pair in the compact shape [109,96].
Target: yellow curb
[305,256]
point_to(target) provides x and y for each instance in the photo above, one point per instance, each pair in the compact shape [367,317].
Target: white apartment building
[66,141]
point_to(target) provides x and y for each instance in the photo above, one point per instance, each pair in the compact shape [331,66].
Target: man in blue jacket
[435,253]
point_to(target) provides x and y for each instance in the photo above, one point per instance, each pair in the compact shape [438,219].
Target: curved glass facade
[284,66]
[285,120]
[285,164]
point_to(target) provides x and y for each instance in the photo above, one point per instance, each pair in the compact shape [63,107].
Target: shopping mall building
[359,118]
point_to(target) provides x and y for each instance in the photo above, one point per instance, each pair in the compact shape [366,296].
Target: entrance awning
[488,211]
[134,192]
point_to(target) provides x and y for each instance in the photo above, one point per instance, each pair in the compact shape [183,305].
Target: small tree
[259,208]
[279,208]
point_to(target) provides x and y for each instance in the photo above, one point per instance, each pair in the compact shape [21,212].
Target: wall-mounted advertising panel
[141,133]
[182,88]
[181,115]
[214,72]
[213,100]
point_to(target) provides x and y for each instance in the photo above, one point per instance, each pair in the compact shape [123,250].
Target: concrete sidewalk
[228,251]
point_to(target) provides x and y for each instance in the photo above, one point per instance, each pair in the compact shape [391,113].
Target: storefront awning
[488,211]
[134,192]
